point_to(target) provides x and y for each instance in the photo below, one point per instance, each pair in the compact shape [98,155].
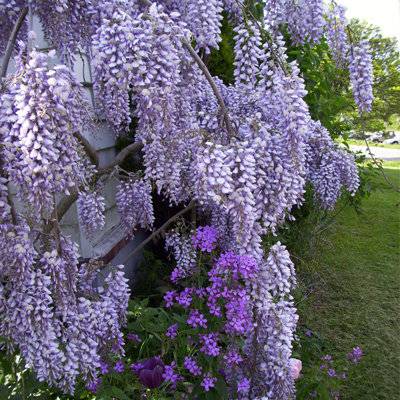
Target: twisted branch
[65,203]
[11,41]
[159,231]
[90,151]
[209,78]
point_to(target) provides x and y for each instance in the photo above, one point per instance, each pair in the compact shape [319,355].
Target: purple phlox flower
[335,394]
[238,313]
[176,275]
[355,355]
[210,344]
[169,298]
[327,358]
[93,385]
[244,267]
[169,375]
[331,372]
[205,238]
[191,365]
[309,333]
[118,345]
[104,367]
[243,386]
[185,298]
[150,372]
[172,331]
[119,367]
[343,375]
[136,367]
[201,292]
[208,382]
[322,366]
[133,337]
[233,358]
[196,319]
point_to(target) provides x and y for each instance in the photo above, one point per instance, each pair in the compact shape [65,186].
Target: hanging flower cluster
[91,207]
[361,76]
[135,204]
[336,34]
[60,329]
[40,111]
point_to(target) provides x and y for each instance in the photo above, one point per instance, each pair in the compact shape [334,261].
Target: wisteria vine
[242,153]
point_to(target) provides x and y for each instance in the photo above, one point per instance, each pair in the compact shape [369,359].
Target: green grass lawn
[373,144]
[350,293]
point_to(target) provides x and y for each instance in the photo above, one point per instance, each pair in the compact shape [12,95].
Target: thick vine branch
[90,151]
[213,85]
[11,41]
[159,231]
[132,148]
[209,78]
[66,202]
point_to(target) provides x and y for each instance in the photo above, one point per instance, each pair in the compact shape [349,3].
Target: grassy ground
[373,144]
[354,296]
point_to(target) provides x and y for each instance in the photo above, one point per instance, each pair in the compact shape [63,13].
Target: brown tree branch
[90,151]
[132,148]
[11,42]
[67,201]
[209,78]
[213,85]
[159,231]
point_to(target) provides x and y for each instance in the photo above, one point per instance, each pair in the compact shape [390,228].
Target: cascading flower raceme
[275,326]
[306,20]
[40,112]
[135,204]
[59,334]
[247,54]
[361,76]
[336,34]
[204,21]
[91,207]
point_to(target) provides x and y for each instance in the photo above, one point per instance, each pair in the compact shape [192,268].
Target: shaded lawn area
[355,295]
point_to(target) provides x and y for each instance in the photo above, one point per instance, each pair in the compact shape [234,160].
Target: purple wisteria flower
[361,76]
[205,238]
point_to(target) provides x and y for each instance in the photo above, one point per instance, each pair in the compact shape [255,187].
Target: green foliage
[220,62]
[327,86]
[386,63]
[315,381]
